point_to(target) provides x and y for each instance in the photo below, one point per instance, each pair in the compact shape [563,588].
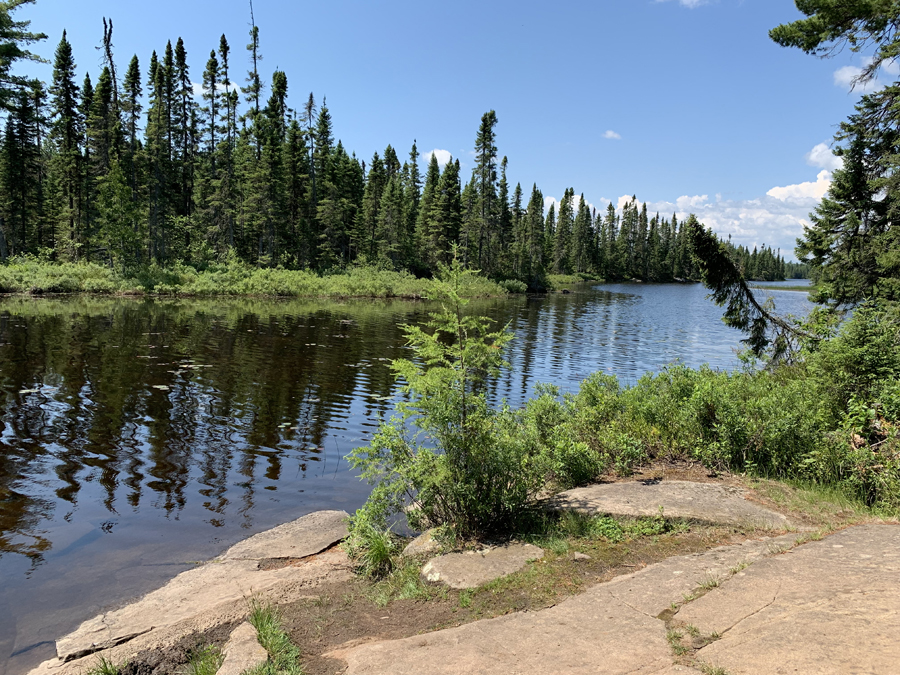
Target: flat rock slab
[233,576]
[242,651]
[300,538]
[654,589]
[610,629]
[827,607]
[594,634]
[476,568]
[294,583]
[705,502]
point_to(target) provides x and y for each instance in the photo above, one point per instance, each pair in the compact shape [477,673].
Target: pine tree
[159,164]
[485,173]
[14,37]
[390,230]
[504,222]
[517,217]
[426,219]
[613,262]
[66,133]
[376,181]
[562,246]
[582,238]
[448,221]
[102,127]
[412,194]
[324,143]
[536,272]
[296,160]
[20,176]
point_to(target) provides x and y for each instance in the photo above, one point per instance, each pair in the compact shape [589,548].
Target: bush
[513,286]
[461,464]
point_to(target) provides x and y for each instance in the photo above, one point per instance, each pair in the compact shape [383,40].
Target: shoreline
[279,565]
[298,567]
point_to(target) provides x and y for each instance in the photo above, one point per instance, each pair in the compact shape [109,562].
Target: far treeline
[133,171]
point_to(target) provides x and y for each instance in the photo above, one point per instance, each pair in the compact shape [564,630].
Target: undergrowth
[30,275]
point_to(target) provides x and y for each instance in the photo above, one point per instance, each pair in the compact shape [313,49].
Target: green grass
[284,656]
[105,667]
[559,280]
[205,661]
[403,583]
[372,550]
[26,275]
[559,532]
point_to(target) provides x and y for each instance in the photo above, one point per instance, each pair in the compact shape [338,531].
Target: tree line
[136,170]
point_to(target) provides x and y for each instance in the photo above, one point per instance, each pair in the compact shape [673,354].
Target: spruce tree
[15,36]
[562,246]
[426,219]
[485,173]
[582,238]
[412,194]
[536,272]
[449,213]
[66,131]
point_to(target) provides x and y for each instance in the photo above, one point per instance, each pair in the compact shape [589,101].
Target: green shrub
[460,466]
[513,286]
[232,277]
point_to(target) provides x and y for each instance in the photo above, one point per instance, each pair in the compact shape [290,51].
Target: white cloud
[612,135]
[776,219]
[751,222]
[686,203]
[822,157]
[443,156]
[804,191]
[846,77]
[622,201]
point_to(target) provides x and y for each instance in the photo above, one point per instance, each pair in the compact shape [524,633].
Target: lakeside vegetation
[232,278]
[451,460]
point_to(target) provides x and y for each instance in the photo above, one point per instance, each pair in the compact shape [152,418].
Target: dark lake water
[139,435]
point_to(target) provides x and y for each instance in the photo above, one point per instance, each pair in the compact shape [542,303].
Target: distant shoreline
[772,287]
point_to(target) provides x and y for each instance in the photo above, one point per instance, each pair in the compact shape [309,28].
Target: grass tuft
[104,666]
[205,661]
[284,656]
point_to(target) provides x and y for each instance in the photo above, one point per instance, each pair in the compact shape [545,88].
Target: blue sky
[686,104]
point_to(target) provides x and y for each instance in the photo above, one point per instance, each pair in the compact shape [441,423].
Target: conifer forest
[133,166]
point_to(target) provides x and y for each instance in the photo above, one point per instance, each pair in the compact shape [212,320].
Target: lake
[138,435]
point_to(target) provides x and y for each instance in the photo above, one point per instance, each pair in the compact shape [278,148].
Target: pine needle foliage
[447,458]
